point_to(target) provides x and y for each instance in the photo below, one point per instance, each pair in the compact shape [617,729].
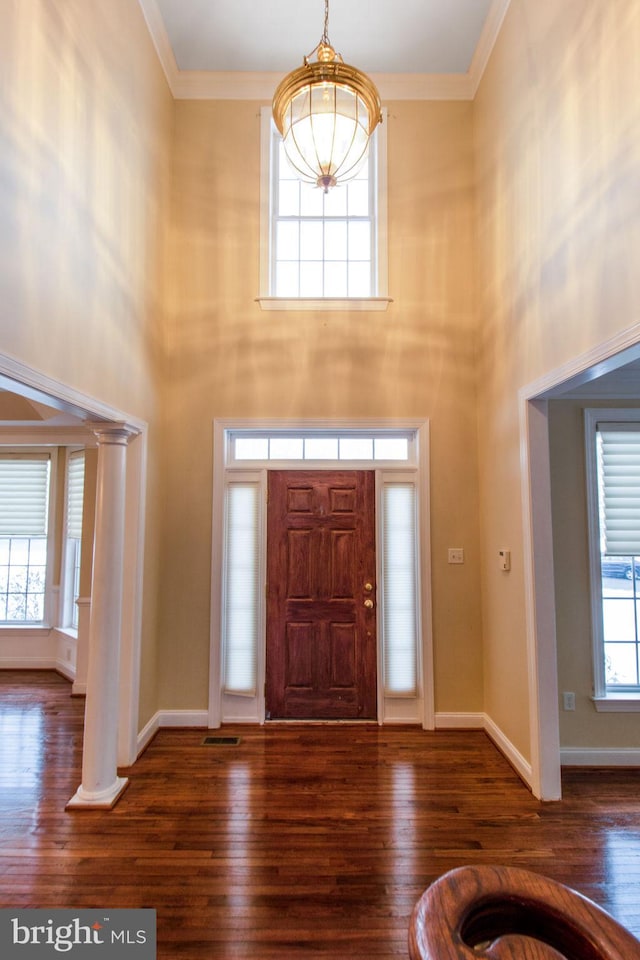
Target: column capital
[112,433]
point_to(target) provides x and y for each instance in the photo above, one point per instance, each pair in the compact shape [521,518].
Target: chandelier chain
[325,33]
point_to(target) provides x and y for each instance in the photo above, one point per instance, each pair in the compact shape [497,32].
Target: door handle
[368,603]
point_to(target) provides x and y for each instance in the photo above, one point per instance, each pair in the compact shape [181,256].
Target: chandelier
[326,111]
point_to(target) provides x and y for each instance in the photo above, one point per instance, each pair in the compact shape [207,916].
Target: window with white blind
[399,545]
[24,511]
[241,586]
[613,462]
[73,536]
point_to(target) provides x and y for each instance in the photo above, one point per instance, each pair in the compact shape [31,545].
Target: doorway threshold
[293,720]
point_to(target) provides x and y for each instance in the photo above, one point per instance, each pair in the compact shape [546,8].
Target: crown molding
[238,85]
[158,31]
[212,85]
[486,43]
[220,85]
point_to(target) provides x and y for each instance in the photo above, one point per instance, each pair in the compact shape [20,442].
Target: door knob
[368,603]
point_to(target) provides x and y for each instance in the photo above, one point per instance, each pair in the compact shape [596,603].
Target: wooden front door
[321,596]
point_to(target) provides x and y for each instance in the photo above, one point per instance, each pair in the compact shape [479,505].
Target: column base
[98,800]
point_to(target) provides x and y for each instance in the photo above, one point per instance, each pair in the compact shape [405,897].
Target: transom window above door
[321,448]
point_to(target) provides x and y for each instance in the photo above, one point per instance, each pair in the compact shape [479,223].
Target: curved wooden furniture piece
[503,913]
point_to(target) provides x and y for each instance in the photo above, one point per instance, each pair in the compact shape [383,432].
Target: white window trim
[420,709]
[67,600]
[267,302]
[604,700]
[51,590]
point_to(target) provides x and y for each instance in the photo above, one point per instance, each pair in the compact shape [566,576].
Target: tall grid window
[24,508]
[323,244]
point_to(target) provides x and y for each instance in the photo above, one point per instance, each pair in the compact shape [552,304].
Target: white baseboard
[183,718]
[513,755]
[63,667]
[600,757]
[29,663]
[170,718]
[66,669]
[481,721]
[459,721]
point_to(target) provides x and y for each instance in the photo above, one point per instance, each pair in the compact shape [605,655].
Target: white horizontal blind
[619,482]
[241,586]
[24,495]
[400,595]
[75,494]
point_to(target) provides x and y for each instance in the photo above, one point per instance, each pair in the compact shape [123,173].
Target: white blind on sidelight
[400,595]
[619,488]
[75,494]
[241,587]
[24,495]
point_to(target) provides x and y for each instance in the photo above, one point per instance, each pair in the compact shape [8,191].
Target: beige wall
[227,358]
[84,173]
[557,154]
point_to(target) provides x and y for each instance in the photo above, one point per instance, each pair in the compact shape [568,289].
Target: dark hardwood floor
[302,841]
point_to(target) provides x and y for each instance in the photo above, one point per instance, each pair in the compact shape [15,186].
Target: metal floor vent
[221,741]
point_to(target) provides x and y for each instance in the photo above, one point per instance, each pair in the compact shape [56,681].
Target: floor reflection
[22,746]
[622,865]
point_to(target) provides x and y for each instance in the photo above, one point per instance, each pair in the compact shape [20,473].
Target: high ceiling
[389,39]
[379,36]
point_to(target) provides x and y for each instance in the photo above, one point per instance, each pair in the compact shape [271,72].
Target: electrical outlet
[456,555]
[568,701]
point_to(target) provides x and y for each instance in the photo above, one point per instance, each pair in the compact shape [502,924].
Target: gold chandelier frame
[327,72]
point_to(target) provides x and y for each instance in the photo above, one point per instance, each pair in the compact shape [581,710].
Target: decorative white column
[101,785]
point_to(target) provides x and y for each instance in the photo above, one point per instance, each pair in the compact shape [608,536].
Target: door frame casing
[536,467]
[254,711]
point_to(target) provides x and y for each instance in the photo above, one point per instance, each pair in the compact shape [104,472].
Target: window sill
[25,629]
[618,703]
[324,303]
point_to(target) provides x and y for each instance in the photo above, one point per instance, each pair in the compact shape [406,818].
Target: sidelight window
[399,622]
[241,587]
